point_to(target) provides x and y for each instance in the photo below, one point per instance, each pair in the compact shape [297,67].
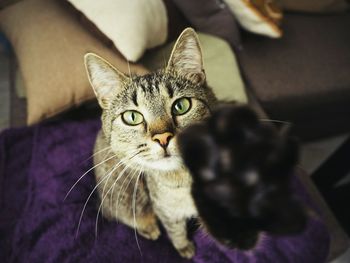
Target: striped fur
[156,172]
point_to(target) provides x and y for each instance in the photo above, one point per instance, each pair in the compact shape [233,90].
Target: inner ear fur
[105,79]
[186,57]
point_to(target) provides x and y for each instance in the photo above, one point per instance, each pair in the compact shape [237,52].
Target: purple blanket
[38,165]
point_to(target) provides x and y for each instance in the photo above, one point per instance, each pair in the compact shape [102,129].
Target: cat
[142,177]
[165,132]
[241,169]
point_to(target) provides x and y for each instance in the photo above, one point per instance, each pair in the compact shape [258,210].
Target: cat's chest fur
[171,194]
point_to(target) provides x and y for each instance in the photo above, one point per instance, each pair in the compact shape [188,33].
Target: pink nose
[163,138]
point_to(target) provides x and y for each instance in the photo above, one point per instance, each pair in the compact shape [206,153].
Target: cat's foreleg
[134,211]
[177,232]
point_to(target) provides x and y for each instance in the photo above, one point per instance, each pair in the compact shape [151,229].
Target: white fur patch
[207,174]
[252,177]
[166,164]
[225,157]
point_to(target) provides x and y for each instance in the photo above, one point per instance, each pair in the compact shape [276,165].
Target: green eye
[181,106]
[132,117]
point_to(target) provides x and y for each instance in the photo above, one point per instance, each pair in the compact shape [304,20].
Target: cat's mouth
[166,154]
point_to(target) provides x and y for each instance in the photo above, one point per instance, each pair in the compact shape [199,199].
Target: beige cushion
[133,26]
[50,44]
[315,6]
[220,66]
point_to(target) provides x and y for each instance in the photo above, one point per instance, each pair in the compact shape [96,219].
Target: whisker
[81,177]
[104,178]
[113,186]
[104,187]
[102,200]
[104,197]
[118,200]
[134,210]
[126,166]
[121,189]
[129,68]
[277,121]
[109,147]
[93,190]
[164,60]
[120,174]
[121,162]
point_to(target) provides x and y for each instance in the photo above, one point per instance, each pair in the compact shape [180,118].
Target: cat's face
[142,115]
[147,116]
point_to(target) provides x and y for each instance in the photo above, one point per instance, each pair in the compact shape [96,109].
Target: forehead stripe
[142,87]
[134,98]
[170,89]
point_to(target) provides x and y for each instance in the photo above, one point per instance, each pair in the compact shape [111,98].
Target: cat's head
[241,169]
[142,115]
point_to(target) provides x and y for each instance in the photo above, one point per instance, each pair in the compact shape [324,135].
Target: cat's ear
[104,78]
[186,57]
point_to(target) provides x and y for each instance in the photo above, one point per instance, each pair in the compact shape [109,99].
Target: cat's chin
[166,164]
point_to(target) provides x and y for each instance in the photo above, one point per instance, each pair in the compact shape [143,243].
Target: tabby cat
[142,177]
[159,127]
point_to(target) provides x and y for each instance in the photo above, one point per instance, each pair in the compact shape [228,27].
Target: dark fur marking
[142,87]
[169,89]
[134,98]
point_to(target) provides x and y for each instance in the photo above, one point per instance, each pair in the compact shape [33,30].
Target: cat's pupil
[132,117]
[181,106]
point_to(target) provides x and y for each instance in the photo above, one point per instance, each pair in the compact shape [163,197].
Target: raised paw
[187,251]
[151,232]
[241,167]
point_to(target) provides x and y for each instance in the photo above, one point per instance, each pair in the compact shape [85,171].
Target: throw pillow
[133,26]
[50,44]
[258,16]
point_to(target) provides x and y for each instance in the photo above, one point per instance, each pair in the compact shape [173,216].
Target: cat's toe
[151,232]
[187,251]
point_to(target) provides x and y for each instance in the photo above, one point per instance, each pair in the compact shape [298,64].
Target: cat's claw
[187,251]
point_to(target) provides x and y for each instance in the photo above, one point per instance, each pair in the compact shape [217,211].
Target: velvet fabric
[39,165]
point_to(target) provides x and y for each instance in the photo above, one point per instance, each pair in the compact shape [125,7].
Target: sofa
[301,78]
